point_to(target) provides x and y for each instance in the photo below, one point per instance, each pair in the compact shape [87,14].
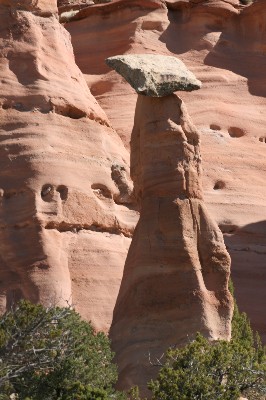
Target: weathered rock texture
[175,280]
[223,43]
[65,222]
[41,7]
[76,5]
[68,8]
[154,75]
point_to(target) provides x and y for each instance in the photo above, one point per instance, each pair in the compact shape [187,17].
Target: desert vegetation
[50,353]
[219,370]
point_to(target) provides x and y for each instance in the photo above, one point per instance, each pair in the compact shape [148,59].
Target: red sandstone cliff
[56,141]
[223,43]
[65,193]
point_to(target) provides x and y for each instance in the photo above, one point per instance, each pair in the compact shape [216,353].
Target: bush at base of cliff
[220,370]
[52,354]
[207,371]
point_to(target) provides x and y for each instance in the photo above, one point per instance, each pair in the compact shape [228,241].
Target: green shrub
[219,370]
[52,354]
[207,371]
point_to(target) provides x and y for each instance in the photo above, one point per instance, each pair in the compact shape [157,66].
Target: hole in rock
[47,192]
[215,127]
[75,113]
[101,87]
[69,111]
[15,106]
[262,139]
[18,106]
[12,126]
[152,25]
[25,66]
[6,106]
[228,228]
[101,190]
[236,132]
[63,191]
[219,185]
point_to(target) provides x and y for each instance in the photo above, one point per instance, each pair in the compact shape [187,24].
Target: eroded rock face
[175,280]
[154,75]
[36,6]
[73,5]
[63,235]
[68,6]
[223,43]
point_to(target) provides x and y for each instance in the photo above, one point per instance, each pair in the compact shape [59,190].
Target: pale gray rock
[154,75]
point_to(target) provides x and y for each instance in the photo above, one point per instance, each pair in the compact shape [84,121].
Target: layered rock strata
[71,7]
[175,280]
[65,196]
[223,43]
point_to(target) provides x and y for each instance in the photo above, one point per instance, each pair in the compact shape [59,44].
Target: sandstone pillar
[176,274]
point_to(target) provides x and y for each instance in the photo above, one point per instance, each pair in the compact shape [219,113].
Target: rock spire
[176,274]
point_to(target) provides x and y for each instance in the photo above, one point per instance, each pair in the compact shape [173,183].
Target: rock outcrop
[175,280]
[66,221]
[73,6]
[154,75]
[40,7]
[223,43]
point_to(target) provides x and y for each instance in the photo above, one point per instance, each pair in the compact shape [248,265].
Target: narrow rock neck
[165,150]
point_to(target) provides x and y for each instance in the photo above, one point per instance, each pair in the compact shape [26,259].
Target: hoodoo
[64,191]
[175,280]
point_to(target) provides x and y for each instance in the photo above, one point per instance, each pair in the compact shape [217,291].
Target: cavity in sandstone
[65,224]
[175,280]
